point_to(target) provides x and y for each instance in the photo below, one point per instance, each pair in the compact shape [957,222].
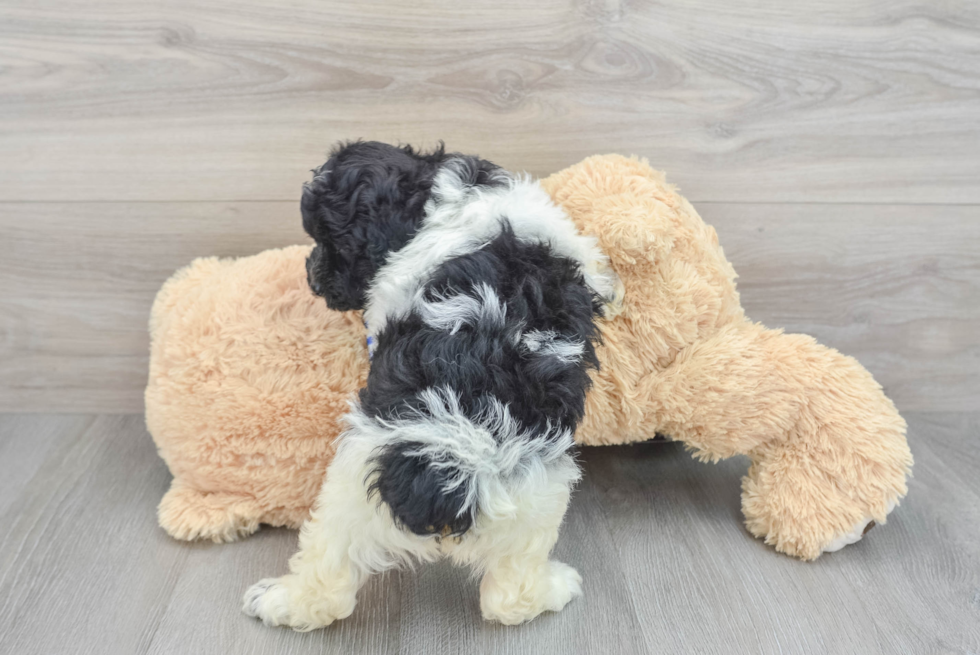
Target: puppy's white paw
[291,601]
[516,600]
[268,600]
[566,584]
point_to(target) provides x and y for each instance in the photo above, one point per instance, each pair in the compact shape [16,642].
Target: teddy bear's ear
[632,229]
[621,201]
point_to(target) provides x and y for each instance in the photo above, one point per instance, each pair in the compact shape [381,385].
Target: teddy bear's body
[250,374]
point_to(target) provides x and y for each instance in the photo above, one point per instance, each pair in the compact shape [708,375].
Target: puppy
[481,300]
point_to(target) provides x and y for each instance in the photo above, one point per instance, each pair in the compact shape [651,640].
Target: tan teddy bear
[250,373]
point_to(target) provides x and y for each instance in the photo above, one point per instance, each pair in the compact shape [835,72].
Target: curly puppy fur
[482,300]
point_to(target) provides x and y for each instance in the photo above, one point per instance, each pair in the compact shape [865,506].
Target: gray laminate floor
[658,537]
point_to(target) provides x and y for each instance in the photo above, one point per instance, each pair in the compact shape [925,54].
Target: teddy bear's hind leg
[189,514]
[828,448]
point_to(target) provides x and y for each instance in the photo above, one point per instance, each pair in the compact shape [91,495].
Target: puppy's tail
[438,466]
[425,496]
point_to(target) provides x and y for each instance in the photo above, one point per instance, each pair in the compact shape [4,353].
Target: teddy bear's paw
[855,534]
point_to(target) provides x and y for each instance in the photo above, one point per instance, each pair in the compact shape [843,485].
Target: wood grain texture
[136,135]
[843,100]
[896,286]
[658,537]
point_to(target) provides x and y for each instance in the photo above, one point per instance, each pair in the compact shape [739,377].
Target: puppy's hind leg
[520,581]
[346,540]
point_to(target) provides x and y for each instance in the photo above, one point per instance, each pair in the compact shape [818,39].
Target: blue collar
[372,343]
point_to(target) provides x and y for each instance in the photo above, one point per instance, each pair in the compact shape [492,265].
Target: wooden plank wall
[835,146]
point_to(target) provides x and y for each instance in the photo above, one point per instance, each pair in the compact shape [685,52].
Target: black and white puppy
[481,299]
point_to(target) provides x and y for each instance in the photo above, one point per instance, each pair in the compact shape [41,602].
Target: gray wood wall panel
[136,135]
[866,101]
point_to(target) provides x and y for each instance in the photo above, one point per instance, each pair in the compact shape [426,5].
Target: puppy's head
[364,203]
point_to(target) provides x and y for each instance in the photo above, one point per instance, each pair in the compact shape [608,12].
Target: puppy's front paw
[512,597]
[566,584]
[268,600]
[292,601]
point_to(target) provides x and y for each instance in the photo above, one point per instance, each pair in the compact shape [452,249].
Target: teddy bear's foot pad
[856,533]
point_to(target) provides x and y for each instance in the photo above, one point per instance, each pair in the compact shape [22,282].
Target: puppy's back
[482,382]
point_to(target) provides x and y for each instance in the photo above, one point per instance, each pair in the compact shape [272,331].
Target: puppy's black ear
[366,201]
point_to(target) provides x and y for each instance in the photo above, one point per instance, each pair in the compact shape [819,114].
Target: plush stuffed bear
[250,374]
